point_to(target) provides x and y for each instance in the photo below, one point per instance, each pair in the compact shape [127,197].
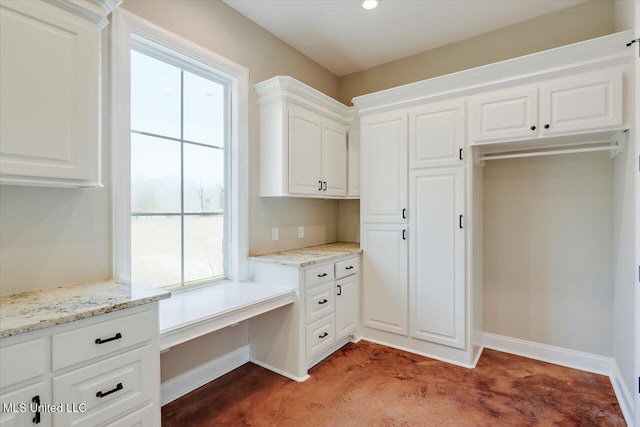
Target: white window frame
[124,27]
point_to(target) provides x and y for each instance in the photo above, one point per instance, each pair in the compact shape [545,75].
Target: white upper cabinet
[507,115]
[585,103]
[354,162]
[436,135]
[303,141]
[592,101]
[50,84]
[437,256]
[334,158]
[384,167]
[305,151]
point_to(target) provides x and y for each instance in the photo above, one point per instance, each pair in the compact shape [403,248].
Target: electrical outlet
[301,232]
[274,234]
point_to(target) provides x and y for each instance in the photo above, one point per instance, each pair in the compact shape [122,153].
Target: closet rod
[549,153]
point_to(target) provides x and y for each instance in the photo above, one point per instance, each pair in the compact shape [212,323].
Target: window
[179,159]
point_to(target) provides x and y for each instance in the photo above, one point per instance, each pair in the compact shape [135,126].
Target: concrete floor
[367,384]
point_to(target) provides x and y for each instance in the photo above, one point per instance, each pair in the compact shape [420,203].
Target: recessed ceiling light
[370,4]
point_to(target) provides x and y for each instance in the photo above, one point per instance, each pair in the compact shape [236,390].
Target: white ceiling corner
[344,38]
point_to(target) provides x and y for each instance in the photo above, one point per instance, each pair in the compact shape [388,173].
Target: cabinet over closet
[309,142]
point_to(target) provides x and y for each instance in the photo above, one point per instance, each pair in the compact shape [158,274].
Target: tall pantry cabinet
[413,209]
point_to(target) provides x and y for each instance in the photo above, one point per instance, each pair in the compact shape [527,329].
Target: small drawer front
[101,339]
[347,267]
[320,336]
[320,302]
[108,388]
[19,362]
[315,276]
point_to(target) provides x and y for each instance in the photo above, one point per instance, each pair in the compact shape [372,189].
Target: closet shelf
[612,141]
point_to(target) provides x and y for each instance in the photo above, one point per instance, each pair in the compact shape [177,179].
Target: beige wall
[581,22]
[52,237]
[548,244]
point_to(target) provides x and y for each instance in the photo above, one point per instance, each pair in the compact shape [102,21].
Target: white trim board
[570,359]
[188,381]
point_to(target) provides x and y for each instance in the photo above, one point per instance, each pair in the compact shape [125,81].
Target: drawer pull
[349,268]
[102,394]
[322,275]
[339,290]
[326,334]
[36,400]
[113,338]
[324,301]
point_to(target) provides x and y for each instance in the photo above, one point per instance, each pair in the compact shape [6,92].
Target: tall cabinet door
[385,283]
[436,135]
[384,167]
[334,159]
[437,256]
[305,152]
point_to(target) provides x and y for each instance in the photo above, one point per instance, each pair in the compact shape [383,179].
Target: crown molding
[288,89]
[95,11]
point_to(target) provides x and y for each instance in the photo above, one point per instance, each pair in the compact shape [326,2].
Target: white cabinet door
[334,159]
[17,409]
[347,305]
[436,135]
[384,167]
[591,101]
[385,283]
[49,96]
[354,163]
[437,256]
[504,116]
[305,152]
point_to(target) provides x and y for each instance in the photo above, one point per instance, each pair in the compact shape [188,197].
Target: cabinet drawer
[347,267]
[320,336]
[320,302]
[315,276]
[22,361]
[143,417]
[108,388]
[100,339]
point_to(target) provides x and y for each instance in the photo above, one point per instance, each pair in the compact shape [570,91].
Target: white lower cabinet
[347,305]
[20,407]
[325,316]
[437,256]
[385,281]
[104,369]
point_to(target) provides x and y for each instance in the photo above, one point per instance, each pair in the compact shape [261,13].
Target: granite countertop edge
[331,252]
[84,310]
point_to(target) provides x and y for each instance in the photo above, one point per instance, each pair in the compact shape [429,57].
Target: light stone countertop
[310,255]
[29,311]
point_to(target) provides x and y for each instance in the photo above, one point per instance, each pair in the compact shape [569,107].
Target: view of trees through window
[178,131]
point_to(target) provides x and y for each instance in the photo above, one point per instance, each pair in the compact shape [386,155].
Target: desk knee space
[193,313]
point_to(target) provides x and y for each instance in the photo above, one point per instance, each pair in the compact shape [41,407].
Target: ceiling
[345,38]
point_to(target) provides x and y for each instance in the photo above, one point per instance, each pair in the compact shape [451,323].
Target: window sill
[199,311]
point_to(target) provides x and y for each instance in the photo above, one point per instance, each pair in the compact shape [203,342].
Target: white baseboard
[625,399]
[571,359]
[419,353]
[549,353]
[280,371]
[477,358]
[184,383]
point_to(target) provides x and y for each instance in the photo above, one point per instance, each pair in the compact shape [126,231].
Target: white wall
[548,235]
